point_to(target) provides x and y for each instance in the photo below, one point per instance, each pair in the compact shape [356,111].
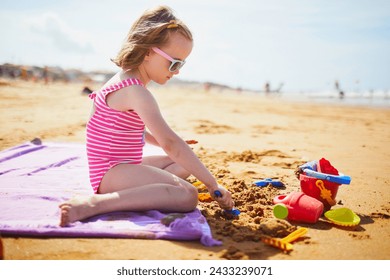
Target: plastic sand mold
[268,181]
[342,217]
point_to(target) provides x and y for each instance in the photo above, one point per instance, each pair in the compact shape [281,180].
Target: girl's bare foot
[76,209]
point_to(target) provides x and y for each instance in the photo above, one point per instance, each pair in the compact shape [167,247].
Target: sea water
[380,99]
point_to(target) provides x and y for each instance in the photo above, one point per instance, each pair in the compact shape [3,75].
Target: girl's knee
[193,200]
[190,199]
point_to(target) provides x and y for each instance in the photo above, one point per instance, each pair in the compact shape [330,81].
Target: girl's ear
[147,55]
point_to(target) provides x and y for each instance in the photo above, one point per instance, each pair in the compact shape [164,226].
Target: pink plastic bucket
[309,187]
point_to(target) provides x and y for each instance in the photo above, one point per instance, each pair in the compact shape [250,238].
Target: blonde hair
[152,29]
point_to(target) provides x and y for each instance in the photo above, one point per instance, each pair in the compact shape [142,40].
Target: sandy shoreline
[242,138]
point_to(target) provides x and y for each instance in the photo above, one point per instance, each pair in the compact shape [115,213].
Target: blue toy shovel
[269,181]
[233,211]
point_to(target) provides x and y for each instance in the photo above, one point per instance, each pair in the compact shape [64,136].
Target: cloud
[61,36]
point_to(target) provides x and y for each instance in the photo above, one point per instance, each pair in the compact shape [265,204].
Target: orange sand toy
[205,197]
[285,243]
[325,193]
[202,196]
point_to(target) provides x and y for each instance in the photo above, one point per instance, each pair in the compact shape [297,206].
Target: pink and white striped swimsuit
[113,137]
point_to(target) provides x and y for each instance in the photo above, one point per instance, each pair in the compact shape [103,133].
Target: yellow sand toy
[285,243]
[342,217]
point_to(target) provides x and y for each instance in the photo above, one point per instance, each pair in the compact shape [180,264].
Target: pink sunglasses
[176,64]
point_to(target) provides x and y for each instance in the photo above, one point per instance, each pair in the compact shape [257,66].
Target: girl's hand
[224,200]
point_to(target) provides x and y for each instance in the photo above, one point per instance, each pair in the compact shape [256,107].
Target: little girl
[122,179]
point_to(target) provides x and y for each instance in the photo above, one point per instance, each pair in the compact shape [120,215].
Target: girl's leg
[167,164]
[128,187]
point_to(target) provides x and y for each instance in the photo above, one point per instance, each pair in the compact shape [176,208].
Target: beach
[242,137]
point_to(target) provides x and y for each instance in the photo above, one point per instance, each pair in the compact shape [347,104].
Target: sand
[242,138]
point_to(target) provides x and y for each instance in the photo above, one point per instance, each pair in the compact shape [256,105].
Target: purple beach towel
[36,177]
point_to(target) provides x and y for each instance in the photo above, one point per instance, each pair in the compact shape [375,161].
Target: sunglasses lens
[175,66]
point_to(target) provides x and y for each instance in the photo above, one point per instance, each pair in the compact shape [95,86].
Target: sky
[305,45]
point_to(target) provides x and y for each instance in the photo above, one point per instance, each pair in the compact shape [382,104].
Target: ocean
[378,99]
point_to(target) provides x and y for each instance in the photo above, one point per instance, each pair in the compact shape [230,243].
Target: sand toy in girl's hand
[233,211]
[268,181]
[206,197]
[285,243]
[342,217]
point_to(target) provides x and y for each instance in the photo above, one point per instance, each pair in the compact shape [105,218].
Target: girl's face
[157,65]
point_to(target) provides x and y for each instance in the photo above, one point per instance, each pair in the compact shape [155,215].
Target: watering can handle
[279,198]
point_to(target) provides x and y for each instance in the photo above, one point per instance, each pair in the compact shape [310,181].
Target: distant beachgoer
[206,86]
[267,88]
[337,86]
[122,179]
[24,73]
[45,75]
[86,90]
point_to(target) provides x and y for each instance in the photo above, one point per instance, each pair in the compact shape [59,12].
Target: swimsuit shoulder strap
[117,86]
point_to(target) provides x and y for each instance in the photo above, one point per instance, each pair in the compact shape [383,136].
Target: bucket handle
[293,200]
[338,179]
